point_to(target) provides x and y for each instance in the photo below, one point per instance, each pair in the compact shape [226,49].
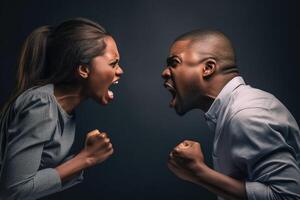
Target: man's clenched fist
[186,159]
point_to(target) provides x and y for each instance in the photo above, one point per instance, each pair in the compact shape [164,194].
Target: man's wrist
[201,172]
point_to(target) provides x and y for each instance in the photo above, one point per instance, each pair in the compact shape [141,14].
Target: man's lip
[169,86]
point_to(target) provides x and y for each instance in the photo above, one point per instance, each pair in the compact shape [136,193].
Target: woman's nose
[119,71]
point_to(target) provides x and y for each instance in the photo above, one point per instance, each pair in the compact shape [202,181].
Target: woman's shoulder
[35,96]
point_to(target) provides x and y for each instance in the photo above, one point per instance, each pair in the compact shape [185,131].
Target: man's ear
[210,66]
[83,71]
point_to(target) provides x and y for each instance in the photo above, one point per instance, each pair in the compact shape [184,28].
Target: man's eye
[172,62]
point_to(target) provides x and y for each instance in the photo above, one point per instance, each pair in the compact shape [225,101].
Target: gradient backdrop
[142,127]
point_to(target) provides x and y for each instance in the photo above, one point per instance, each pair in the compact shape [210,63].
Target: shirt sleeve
[259,149]
[29,130]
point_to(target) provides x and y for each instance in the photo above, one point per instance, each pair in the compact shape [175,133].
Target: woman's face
[104,72]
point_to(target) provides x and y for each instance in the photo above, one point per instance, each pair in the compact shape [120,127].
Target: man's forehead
[190,47]
[179,47]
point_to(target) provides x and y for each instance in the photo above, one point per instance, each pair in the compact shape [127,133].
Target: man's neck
[214,88]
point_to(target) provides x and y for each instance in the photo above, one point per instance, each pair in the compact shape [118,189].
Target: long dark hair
[52,54]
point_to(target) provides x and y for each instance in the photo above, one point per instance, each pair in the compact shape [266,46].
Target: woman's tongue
[110,94]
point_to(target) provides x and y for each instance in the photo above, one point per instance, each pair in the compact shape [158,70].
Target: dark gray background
[142,127]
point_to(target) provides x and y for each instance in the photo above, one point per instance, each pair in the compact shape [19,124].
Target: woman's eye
[114,64]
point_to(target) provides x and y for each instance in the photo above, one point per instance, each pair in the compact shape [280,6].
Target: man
[256,150]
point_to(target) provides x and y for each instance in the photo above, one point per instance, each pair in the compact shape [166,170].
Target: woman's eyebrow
[115,60]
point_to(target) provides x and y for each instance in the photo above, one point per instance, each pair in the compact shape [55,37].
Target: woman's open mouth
[110,93]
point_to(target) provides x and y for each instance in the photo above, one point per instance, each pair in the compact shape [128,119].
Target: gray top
[256,140]
[37,138]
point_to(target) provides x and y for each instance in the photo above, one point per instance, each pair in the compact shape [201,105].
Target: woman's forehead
[111,49]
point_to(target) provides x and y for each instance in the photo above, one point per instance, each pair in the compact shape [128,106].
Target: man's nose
[166,73]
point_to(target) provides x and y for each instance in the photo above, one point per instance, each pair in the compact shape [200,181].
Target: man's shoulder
[249,103]
[249,98]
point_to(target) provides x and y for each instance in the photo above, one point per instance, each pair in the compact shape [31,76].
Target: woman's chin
[101,100]
[105,100]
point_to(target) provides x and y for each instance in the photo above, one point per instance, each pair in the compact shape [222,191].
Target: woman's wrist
[85,160]
[73,166]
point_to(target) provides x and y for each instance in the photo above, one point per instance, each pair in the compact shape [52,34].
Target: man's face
[183,77]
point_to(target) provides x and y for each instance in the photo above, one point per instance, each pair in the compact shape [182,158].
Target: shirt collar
[222,97]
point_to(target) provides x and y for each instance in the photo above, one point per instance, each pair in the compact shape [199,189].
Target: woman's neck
[69,97]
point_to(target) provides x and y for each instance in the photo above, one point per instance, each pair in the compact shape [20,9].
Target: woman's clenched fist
[97,147]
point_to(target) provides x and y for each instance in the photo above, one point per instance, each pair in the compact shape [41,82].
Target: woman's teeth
[110,94]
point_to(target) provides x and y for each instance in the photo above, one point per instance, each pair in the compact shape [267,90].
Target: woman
[59,68]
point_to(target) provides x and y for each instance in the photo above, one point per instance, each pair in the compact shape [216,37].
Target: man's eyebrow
[170,59]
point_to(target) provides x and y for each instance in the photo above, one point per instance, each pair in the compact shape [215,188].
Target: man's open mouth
[172,90]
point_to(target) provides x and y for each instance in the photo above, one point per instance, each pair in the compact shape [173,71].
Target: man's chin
[182,109]
[179,110]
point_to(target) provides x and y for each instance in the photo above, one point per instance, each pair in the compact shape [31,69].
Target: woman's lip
[116,81]
[110,94]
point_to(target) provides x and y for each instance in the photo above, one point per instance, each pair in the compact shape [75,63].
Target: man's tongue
[173,102]
[110,94]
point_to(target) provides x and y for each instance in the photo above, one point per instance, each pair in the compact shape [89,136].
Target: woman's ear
[210,66]
[83,71]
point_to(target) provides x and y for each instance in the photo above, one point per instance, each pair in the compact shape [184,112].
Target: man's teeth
[168,85]
[116,82]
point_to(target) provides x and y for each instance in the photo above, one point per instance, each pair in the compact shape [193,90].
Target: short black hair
[224,50]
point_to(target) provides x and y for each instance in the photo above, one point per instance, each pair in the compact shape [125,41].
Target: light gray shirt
[37,138]
[257,140]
